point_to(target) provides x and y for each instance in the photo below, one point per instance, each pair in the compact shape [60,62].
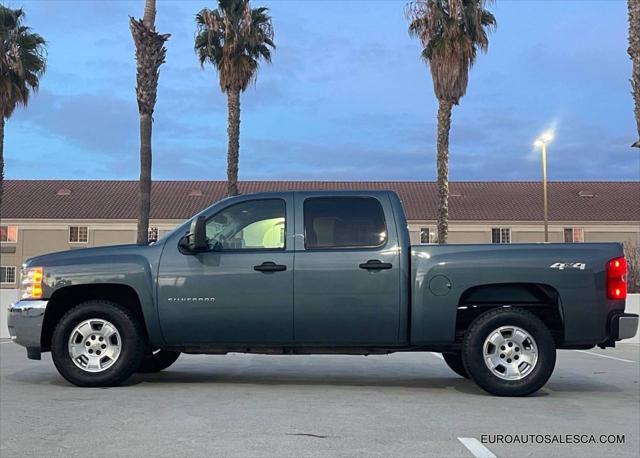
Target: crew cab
[320,273]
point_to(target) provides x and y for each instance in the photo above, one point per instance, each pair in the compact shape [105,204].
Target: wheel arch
[541,299]
[64,299]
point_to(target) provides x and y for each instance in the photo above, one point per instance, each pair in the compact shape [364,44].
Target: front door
[241,290]
[347,272]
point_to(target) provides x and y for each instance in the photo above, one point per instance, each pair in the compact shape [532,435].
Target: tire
[158,361]
[454,361]
[508,377]
[98,324]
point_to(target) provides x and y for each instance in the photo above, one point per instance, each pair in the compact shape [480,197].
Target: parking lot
[240,405]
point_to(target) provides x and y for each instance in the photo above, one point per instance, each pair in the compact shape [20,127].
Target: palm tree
[451,33]
[634,53]
[22,63]
[150,54]
[233,38]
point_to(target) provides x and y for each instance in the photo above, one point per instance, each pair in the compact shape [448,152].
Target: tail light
[617,278]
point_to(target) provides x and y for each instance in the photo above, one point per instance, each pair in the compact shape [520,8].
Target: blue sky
[346,97]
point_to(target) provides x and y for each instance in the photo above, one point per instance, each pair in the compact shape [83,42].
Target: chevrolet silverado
[320,273]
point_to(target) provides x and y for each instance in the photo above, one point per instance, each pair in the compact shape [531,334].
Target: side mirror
[196,240]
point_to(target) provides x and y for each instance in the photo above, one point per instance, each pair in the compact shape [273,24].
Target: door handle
[374,264]
[269,267]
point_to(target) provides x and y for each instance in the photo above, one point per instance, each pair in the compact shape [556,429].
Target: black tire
[132,344]
[481,329]
[454,361]
[158,361]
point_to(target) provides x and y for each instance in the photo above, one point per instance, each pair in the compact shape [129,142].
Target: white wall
[7,296]
[633,306]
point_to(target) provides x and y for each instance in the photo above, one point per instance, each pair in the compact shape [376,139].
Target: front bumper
[25,325]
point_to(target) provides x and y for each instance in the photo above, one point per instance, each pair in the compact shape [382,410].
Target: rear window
[343,222]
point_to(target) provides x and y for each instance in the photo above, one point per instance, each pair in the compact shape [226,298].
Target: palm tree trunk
[233,149]
[144,204]
[634,52]
[150,54]
[1,158]
[442,160]
[149,18]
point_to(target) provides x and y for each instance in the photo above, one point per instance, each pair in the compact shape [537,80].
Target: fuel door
[440,285]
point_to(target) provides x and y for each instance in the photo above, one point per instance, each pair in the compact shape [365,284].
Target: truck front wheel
[509,352]
[97,343]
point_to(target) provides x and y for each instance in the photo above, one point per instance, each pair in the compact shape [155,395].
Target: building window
[501,235]
[152,234]
[78,234]
[573,235]
[427,235]
[9,234]
[8,275]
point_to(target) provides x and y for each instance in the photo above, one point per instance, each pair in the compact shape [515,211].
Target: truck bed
[450,281]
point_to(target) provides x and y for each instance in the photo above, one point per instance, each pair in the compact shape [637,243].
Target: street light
[541,142]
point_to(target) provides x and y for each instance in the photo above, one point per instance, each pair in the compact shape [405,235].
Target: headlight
[31,285]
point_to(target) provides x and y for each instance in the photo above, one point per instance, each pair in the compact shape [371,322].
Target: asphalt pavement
[405,404]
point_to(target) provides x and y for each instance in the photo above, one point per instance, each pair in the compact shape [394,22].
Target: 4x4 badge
[568,265]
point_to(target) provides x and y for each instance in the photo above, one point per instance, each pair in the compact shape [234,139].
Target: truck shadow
[265,378]
[577,384]
[427,377]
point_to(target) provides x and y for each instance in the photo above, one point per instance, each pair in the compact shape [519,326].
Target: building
[40,216]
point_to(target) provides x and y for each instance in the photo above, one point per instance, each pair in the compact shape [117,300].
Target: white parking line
[437,355]
[606,356]
[476,448]
[6,341]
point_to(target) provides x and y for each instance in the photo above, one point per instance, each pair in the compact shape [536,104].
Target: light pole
[542,143]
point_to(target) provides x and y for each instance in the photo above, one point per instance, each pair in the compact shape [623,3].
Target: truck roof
[327,192]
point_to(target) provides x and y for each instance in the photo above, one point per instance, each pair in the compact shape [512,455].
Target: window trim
[76,243]
[8,226]
[252,250]
[501,228]
[15,275]
[356,247]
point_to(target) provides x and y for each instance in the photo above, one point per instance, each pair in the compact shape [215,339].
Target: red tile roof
[469,201]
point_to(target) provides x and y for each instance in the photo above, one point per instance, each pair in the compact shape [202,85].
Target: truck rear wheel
[454,361]
[97,343]
[509,352]
[158,361]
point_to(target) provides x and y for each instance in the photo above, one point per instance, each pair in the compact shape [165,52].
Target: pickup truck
[320,273]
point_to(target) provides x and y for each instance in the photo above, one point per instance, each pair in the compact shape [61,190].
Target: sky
[346,97]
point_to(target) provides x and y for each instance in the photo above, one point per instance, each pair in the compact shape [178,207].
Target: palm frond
[22,60]
[451,32]
[233,38]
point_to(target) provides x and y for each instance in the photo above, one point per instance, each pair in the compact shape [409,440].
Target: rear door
[347,272]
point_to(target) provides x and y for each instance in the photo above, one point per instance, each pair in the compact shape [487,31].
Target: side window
[78,234]
[573,235]
[9,234]
[8,275]
[427,235]
[343,222]
[251,225]
[500,235]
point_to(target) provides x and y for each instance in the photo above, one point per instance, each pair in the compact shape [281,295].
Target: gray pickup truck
[320,273]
